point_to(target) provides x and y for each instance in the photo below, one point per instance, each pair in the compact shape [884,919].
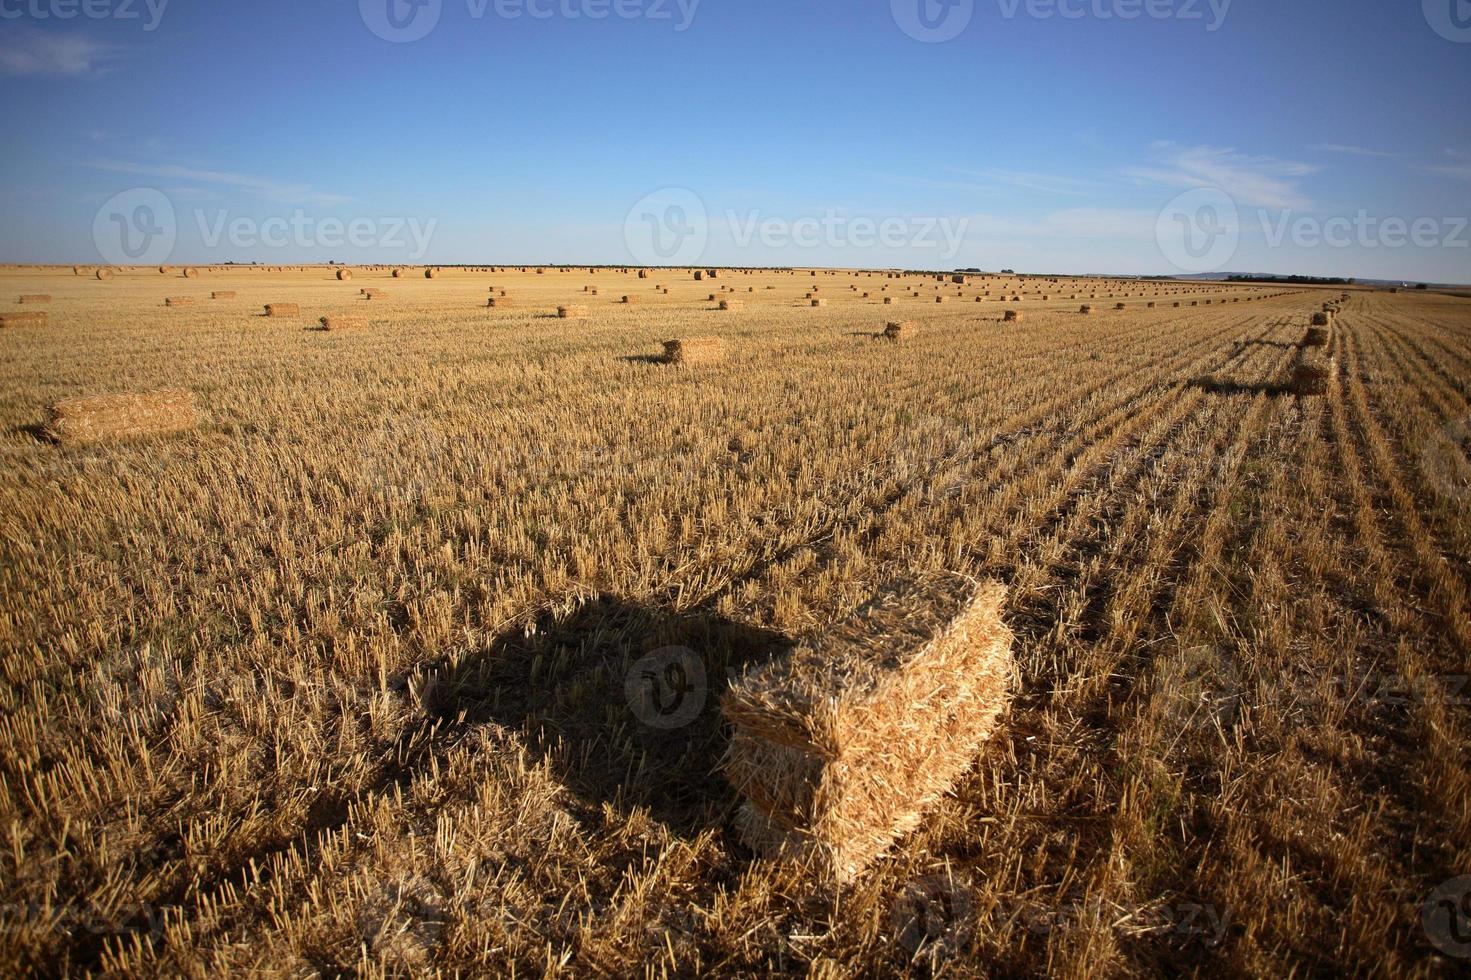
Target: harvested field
[338,681]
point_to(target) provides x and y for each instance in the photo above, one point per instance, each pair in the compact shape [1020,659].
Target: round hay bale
[104,274]
[343,275]
[191,273]
[397,273]
[431,273]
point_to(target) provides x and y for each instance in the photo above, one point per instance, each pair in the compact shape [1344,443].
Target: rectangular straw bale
[630,300]
[571,312]
[732,304]
[1316,337]
[1320,319]
[29,318]
[222,294]
[93,418]
[899,329]
[841,746]
[341,322]
[34,298]
[694,350]
[282,309]
[179,301]
[1310,375]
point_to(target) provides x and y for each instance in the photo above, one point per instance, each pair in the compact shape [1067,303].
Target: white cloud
[29,52]
[1102,223]
[1257,181]
[268,189]
[1042,183]
[1355,151]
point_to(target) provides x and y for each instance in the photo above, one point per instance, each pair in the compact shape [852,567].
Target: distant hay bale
[819,302]
[1086,310]
[732,304]
[571,312]
[1320,319]
[643,273]
[397,273]
[179,301]
[699,276]
[840,747]
[343,275]
[1315,337]
[939,299]
[1012,315]
[222,294]
[282,309]
[1120,306]
[33,298]
[1149,306]
[93,418]
[888,301]
[694,350]
[431,273]
[191,273]
[499,301]
[78,270]
[368,292]
[104,274]
[164,270]
[35,318]
[631,300]
[899,329]
[340,322]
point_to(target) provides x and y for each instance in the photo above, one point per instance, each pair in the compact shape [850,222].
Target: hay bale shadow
[1223,386]
[623,700]
[644,358]
[870,334]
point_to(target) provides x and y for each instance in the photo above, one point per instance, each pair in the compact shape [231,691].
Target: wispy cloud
[1102,223]
[1460,170]
[271,190]
[992,178]
[1258,181]
[1353,151]
[24,51]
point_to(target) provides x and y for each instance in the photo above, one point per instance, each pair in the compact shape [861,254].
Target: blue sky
[1328,136]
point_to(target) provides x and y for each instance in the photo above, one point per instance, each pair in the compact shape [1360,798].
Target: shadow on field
[645,358]
[1240,345]
[624,701]
[1222,386]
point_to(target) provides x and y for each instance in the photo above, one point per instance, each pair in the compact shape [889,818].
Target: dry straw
[732,304]
[431,273]
[93,418]
[34,298]
[1086,310]
[631,300]
[27,319]
[222,294]
[694,350]
[1316,337]
[899,329]
[397,273]
[104,274]
[496,301]
[819,302]
[841,746]
[1012,315]
[571,312]
[344,274]
[179,301]
[1320,319]
[282,309]
[191,273]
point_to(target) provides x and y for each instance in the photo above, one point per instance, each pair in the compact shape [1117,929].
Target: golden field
[334,682]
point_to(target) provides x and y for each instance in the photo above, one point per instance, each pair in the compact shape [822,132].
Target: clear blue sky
[1036,141]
